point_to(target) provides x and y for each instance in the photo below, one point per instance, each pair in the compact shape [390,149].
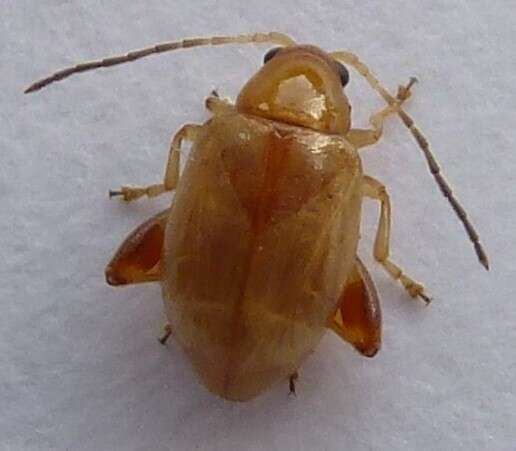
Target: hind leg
[138,259]
[292,383]
[358,319]
[167,332]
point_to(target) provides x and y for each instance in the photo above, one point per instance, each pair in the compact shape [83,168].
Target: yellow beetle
[257,255]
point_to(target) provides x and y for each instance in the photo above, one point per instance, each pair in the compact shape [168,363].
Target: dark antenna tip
[482,257]
[36,86]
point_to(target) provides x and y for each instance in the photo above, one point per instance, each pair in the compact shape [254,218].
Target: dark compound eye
[343,73]
[270,54]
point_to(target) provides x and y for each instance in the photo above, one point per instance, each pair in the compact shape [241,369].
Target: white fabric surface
[80,367]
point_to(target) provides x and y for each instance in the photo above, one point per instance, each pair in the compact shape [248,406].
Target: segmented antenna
[257,38]
[433,166]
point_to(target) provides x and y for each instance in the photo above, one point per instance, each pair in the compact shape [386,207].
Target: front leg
[218,106]
[366,137]
[130,193]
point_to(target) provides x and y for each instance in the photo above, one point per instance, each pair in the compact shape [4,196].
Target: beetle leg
[218,106]
[358,319]
[187,132]
[138,259]
[433,166]
[374,189]
[167,332]
[292,383]
[366,137]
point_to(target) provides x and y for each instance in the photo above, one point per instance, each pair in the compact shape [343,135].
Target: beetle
[257,254]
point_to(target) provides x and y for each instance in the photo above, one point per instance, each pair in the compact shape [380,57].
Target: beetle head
[299,85]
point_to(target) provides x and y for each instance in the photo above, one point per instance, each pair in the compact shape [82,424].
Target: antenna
[256,38]
[433,166]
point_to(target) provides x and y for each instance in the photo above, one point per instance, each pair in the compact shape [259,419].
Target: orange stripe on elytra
[276,157]
[275,161]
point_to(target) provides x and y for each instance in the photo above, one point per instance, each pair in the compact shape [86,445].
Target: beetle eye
[270,54]
[343,73]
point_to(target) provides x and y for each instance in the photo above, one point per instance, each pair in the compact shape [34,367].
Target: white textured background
[80,367]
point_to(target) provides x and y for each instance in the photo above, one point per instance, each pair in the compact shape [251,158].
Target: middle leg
[129,193]
[373,189]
